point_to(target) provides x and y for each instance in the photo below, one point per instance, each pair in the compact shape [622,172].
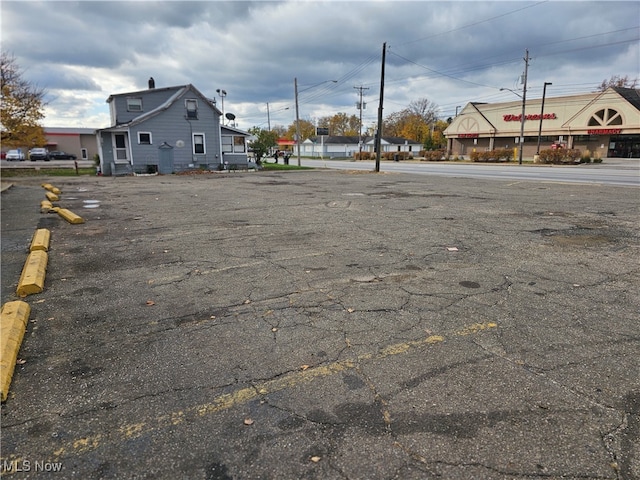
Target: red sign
[532,116]
[605,131]
[468,135]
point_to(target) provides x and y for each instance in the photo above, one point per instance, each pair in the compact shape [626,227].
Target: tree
[21,109]
[341,124]
[618,81]
[414,122]
[265,139]
[307,130]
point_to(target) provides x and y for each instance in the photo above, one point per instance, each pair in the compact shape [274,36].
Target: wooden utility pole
[524,102]
[379,133]
[295,88]
[361,106]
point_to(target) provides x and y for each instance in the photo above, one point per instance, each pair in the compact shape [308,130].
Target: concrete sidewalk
[329,325]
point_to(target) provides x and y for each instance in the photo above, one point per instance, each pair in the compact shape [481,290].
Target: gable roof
[354,139]
[631,95]
[175,92]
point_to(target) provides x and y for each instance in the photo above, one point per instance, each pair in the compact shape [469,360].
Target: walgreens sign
[533,116]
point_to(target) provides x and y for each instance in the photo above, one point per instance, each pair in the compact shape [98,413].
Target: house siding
[173,128]
[151,99]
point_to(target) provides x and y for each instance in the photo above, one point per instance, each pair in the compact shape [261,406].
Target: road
[621,172]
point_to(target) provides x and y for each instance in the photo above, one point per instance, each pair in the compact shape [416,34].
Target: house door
[120,147]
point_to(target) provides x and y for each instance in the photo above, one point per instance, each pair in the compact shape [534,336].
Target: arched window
[605,117]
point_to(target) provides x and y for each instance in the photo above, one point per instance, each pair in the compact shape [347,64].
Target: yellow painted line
[40,240]
[33,273]
[69,216]
[225,402]
[13,322]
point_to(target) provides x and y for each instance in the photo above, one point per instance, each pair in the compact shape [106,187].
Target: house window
[144,138]
[233,144]
[227,144]
[198,144]
[192,108]
[238,144]
[134,104]
[84,154]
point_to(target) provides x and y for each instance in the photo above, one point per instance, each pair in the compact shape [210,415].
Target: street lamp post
[295,91]
[457,109]
[544,92]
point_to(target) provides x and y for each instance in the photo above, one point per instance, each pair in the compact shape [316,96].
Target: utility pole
[268,117]
[295,88]
[361,106]
[378,142]
[544,93]
[524,101]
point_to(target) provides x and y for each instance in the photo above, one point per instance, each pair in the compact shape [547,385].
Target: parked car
[60,155]
[39,154]
[15,155]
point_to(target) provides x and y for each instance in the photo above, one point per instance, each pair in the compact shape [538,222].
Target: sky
[448,52]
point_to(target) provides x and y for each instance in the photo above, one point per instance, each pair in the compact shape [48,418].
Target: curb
[33,273]
[13,323]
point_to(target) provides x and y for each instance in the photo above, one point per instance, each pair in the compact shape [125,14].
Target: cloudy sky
[450,52]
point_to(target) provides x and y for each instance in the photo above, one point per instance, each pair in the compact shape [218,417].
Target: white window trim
[204,143]
[150,138]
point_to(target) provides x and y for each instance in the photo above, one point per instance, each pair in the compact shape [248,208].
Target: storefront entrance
[627,146]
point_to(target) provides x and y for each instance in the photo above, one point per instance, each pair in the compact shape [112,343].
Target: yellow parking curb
[32,278]
[52,197]
[51,188]
[40,240]
[69,216]
[13,323]
[45,206]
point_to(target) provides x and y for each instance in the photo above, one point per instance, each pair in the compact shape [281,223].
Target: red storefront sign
[531,116]
[468,135]
[605,131]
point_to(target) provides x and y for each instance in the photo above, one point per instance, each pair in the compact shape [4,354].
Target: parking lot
[326,324]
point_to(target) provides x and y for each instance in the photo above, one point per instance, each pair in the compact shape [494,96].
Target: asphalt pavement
[326,325]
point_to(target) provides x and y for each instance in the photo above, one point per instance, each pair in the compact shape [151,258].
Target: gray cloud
[450,52]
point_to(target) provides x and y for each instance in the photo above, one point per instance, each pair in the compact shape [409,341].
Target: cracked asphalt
[326,325]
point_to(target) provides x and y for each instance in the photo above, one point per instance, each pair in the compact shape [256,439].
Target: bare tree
[618,81]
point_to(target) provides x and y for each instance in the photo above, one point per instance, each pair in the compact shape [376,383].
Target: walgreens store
[605,123]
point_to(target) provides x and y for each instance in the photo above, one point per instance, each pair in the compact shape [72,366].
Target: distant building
[605,123]
[345,146]
[79,141]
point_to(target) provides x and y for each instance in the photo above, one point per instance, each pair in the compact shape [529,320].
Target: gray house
[167,130]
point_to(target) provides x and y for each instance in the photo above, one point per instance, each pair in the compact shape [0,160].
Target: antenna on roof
[152,83]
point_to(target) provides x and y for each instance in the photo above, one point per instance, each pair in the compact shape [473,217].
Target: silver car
[15,155]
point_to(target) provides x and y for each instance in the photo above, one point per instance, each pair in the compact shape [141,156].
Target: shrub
[433,155]
[362,156]
[560,156]
[401,155]
[493,156]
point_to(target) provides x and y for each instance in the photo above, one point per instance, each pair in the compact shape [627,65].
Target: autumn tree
[21,107]
[307,130]
[413,122]
[341,124]
[618,81]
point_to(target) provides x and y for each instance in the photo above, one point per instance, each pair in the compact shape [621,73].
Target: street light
[544,92]
[222,93]
[459,106]
[295,91]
